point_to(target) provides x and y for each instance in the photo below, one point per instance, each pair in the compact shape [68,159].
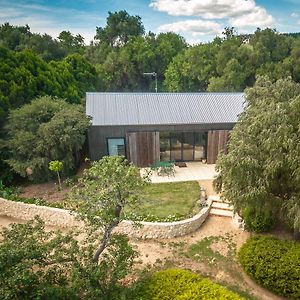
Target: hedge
[273,263]
[258,220]
[179,284]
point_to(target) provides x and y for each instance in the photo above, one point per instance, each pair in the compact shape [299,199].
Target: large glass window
[176,146]
[116,146]
[200,145]
[182,146]
[164,140]
[188,146]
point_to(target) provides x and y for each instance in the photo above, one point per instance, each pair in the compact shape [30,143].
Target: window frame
[116,138]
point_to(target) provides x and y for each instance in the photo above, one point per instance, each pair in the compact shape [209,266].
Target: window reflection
[182,146]
[164,140]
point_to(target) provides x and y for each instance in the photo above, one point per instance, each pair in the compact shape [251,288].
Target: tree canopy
[262,167]
[40,264]
[120,26]
[232,63]
[101,195]
[46,129]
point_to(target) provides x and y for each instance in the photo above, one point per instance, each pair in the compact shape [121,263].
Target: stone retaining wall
[50,215]
[62,218]
[156,230]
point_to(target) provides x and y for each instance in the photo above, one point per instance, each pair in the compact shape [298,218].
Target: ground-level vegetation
[164,202]
[273,263]
[179,284]
[167,202]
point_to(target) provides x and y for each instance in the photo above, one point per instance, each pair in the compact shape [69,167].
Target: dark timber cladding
[216,142]
[142,148]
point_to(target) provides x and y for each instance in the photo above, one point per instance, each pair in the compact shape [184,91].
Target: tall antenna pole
[154,74]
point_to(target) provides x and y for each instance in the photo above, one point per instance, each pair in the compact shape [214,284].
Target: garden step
[216,198]
[221,212]
[221,205]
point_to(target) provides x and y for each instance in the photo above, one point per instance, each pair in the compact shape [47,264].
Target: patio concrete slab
[193,171]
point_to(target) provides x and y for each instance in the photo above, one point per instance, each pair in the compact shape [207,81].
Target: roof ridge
[168,93]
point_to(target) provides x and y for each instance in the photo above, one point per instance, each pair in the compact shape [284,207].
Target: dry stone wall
[156,230]
[50,215]
[145,230]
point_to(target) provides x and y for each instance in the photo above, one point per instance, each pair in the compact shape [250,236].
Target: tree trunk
[105,240]
[107,233]
[59,181]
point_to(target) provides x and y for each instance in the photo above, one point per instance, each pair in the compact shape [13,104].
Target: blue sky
[196,20]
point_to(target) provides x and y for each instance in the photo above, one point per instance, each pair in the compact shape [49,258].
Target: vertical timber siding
[142,148]
[216,142]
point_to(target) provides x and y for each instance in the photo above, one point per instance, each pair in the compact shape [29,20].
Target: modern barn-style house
[151,127]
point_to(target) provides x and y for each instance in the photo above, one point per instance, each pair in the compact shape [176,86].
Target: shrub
[7,192]
[48,129]
[179,284]
[273,263]
[258,220]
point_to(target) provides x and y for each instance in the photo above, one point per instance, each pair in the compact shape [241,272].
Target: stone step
[221,212]
[222,205]
[216,198]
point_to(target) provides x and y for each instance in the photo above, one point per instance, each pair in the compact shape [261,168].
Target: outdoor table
[164,168]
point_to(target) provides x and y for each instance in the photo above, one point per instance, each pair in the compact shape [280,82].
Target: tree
[46,129]
[120,26]
[74,76]
[192,68]
[12,36]
[18,38]
[24,76]
[232,80]
[39,264]
[74,44]
[34,263]
[56,166]
[262,167]
[106,188]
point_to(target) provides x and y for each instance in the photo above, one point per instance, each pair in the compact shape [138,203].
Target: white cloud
[294,15]
[242,14]
[258,17]
[194,28]
[208,9]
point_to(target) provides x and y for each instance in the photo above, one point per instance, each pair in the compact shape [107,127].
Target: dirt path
[223,269]
[216,259]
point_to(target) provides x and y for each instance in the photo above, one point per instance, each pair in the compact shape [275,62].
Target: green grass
[161,200]
[202,251]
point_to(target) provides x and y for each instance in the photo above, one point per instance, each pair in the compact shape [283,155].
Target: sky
[196,20]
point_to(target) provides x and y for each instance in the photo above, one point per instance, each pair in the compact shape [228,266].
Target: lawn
[159,201]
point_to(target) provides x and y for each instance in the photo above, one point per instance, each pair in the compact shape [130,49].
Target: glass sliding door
[116,146]
[200,145]
[176,146]
[188,146]
[165,150]
[182,146]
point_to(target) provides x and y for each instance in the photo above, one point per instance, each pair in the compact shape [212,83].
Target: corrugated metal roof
[163,108]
